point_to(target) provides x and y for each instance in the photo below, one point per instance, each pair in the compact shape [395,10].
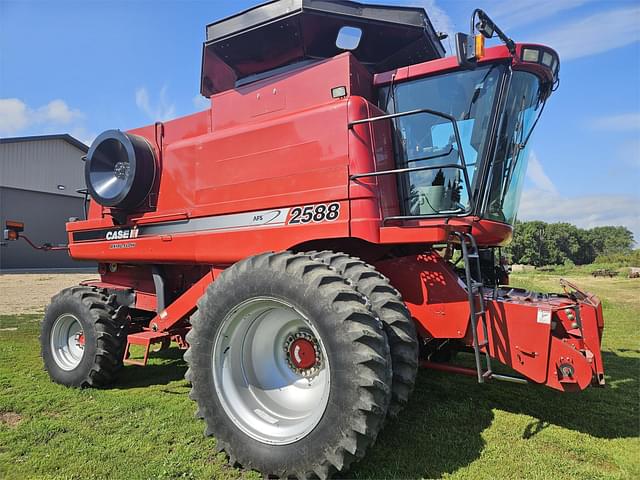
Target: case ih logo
[122,234]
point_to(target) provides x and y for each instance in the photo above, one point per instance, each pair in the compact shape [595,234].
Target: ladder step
[145,338]
[473,270]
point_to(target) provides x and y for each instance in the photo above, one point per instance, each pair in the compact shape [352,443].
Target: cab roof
[284,32]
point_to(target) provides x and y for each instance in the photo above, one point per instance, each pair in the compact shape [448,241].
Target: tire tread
[109,320]
[372,371]
[387,304]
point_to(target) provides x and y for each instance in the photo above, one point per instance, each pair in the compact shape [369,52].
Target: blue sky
[86,66]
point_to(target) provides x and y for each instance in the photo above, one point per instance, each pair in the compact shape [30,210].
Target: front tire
[82,337]
[288,366]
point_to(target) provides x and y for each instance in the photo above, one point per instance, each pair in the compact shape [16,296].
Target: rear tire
[352,355]
[387,304]
[82,337]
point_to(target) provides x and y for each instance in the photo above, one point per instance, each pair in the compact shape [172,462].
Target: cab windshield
[444,176]
[428,141]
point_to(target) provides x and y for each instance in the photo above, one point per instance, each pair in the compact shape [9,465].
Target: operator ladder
[477,312]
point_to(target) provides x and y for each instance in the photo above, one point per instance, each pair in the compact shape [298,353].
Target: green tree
[611,240]
[562,243]
[527,245]
[586,254]
[539,243]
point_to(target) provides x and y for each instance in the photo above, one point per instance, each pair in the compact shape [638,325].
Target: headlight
[120,169]
[530,55]
[543,56]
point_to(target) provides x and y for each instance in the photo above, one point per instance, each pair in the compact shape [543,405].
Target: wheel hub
[67,341]
[303,354]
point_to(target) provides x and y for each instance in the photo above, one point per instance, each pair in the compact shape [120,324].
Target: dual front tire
[291,366]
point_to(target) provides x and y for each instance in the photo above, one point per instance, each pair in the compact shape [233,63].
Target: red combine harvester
[379,177]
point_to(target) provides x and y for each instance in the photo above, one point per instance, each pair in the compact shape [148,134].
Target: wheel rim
[67,342]
[270,396]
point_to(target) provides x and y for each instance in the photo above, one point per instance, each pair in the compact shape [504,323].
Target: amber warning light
[470,48]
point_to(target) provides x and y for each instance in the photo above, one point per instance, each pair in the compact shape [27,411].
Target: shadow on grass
[438,433]
[165,367]
[609,412]
[441,429]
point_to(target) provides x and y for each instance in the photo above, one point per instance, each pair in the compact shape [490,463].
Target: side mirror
[486,27]
[468,49]
[12,230]
[348,38]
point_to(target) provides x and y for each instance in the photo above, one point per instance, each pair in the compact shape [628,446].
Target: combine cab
[331,223]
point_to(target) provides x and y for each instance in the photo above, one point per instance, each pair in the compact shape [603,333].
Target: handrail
[404,170]
[406,218]
[462,166]
[446,116]
[404,114]
[464,212]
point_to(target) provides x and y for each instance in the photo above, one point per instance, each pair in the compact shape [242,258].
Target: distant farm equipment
[605,272]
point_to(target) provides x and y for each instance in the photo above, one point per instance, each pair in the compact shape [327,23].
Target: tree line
[539,243]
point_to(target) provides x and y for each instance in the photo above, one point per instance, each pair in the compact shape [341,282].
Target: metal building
[39,180]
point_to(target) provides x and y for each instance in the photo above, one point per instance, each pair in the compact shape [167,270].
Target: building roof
[59,136]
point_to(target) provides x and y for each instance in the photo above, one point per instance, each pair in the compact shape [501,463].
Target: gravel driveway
[31,292]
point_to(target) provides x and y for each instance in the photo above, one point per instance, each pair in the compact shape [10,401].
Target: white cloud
[595,34]
[586,211]
[16,116]
[201,103]
[544,202]
[57,112]
[142,99]
[162,111]
[537,175]
[509,13]
[621,122]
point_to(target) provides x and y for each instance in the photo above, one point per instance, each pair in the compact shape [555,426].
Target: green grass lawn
[143,427]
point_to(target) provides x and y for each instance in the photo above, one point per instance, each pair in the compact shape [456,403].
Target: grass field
[143,427]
